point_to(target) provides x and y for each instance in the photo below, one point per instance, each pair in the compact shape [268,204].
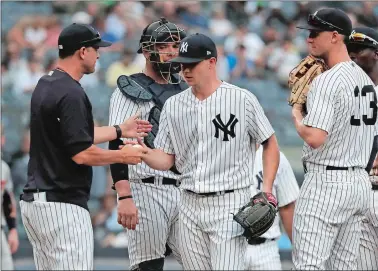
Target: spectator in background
[15,62]
[235,12]
[251,41]
[282,59]
[192,16]
[219,25]
[19,165]
[17,33]
[276,13]
[223,67]
[167,9]
[366,14]
[27,79]
[125,66]
[6,79]
[99,24]
[53,30]
[35,33]
[115,22]
[241,67]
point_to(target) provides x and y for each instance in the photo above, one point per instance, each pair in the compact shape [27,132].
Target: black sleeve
[7,204]
[119,171]
[74,122]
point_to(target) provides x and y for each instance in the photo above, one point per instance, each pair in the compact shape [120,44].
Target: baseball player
[148,197]
[363,49]
[338,131]
[8,214]
[263,253]
[209,132]
[62,150]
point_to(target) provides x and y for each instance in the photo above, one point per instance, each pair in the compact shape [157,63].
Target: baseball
[137,146]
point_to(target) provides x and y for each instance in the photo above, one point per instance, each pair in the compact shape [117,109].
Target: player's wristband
[125,197]
[11,222]
[118,130]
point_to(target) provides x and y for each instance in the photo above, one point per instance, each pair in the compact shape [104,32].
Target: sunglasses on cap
[316,21]
[96,38]
[359,37]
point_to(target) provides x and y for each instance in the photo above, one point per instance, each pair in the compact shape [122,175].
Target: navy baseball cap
[363,37]
[329,19]
[195,48]
[75,36]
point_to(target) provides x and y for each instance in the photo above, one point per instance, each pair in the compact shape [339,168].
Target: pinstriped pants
[265,256]
[368,258]
[158,210]
[61,235]
[327,219]
[6,256]
[209,237]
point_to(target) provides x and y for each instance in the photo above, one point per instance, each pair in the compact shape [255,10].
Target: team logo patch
[228,129]
[184,47]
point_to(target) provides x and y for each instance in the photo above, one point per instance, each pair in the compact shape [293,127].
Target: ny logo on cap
[184,47]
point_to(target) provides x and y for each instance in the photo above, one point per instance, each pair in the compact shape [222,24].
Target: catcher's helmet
[161,31]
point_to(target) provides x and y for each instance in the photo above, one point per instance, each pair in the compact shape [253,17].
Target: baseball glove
[258,215]
[301,77]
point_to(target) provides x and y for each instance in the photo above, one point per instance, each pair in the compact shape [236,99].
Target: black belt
[374,186]
[211,193]
[166,181]
[339,168]
[258,241]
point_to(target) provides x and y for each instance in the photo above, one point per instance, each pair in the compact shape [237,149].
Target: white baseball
[137,146]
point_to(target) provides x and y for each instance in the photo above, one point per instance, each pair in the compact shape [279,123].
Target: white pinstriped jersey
[285,187]
[342,102]
[7,184]
[122,108]
[213,140]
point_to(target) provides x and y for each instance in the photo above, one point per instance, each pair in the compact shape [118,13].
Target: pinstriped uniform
[332,202]
[158,205]
[6,181]
[214,146]
[64,239]
[285,188]
[368,258]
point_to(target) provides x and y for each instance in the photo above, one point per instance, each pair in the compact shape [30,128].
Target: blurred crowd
[258,44]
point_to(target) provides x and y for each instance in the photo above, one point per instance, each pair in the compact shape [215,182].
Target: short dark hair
[66,53]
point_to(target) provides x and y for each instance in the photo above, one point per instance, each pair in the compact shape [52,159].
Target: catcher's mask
[158,32]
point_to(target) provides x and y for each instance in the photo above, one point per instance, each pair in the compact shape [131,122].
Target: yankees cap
[329,19]
[75,36]
[195,48]
[363,37]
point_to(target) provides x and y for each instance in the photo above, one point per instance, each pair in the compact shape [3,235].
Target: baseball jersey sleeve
[74,124]
[6,175]
[259,126]
[121,108]
[286,183]
[163,138]
[320,104]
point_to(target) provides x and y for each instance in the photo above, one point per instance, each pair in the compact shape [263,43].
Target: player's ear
[336,37]
[376,54]
[213,62]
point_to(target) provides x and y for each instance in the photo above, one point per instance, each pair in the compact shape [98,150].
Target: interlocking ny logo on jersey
[228,129]
[184,47]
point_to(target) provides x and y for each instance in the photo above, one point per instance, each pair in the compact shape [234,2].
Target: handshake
[130,151]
